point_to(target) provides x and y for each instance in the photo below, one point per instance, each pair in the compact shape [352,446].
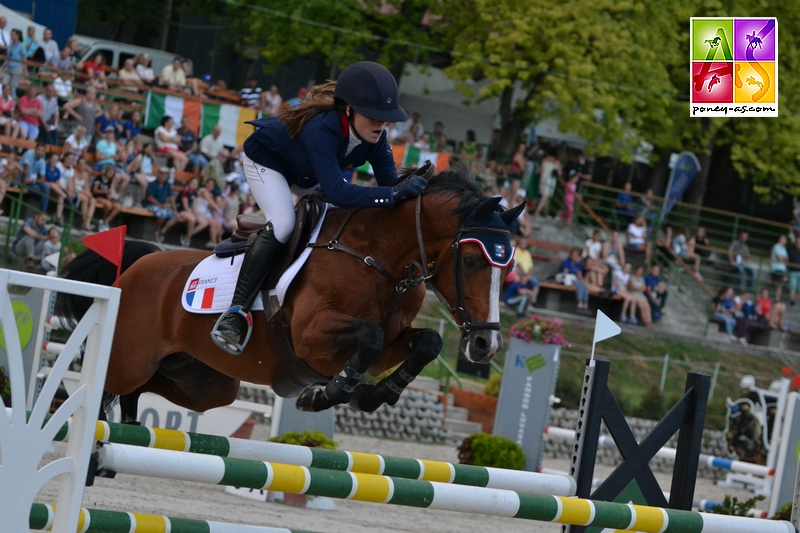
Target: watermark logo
[734,67]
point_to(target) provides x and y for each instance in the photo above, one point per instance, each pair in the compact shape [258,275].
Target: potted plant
[311,439]
[480,449]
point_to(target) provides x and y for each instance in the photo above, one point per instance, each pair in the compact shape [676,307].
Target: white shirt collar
[352,142]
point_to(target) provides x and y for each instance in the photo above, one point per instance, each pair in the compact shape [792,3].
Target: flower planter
[481,407]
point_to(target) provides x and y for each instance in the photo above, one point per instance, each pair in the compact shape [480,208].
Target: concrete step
[457,413]
[462,426]
[425,383]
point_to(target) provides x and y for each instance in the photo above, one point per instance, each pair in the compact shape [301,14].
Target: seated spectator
[106,149]
[272,101]
[9,172]
[636,287]
[437,139]
[66,181]
[684,247]
[104,188]
[142,166]
[29,42]
[522,294]
[84,187]
[168,143]
[722,308]
[207,205]
[172,76]
[133,127]
[596,270]
[7,107]
[769,313]
[15,61]
[739,256]
[195,86]
[185,207]
[53,245]
[614,252]
[77,142]
[778,258]
[158,199]
[637,235]
[85,110]
[794,270]
[251,95]
[701,243]
[663,244]
[215,170]
[250,206]
[49,119]
[211,144]
[128,77]
[656,292]
[95,72]
[52,176]
[143,69]
[58,64]
[63,84]
[33,168]
[572,271]
[189,146]
[523,260]
[48,46]
[410,136]
[30,239]
[301,97]
[743,310]
[110,118]
[648,206]
[233,204]
[469,148]
[621,278]
[30,114]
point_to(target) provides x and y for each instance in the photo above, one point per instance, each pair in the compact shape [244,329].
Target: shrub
[312,439]
[733,507]
[653,406]
[492,387]
[481,449]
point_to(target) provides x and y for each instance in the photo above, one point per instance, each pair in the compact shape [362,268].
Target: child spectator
[570,194]
[51,245]
[722,308]
[656,292]
[572,270]
[103,189]
[522,294]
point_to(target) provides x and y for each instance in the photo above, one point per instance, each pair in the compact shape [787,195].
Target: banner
[683,172]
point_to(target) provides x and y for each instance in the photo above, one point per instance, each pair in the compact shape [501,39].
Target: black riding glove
[409,188]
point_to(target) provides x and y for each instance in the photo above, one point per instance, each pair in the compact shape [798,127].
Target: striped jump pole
[426,494]
[669,453]
[97,521]
[365,463]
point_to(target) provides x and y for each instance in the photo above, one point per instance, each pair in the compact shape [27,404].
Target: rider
[341,125]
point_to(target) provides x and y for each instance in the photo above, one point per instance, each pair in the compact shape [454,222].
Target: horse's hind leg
[129,408]
[369,339]
[420,346]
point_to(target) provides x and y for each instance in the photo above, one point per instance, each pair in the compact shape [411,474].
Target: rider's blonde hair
[319,99]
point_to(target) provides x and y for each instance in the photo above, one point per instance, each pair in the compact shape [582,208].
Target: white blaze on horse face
[494,306]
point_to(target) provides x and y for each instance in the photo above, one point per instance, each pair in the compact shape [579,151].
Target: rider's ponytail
[319,99]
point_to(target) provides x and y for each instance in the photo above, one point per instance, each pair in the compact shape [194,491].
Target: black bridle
[419,272]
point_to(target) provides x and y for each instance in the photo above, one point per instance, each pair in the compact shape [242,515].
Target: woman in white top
[272,100]
[144,70]
[613,252]
[637,235]
[596,270]
[141,168]
[77,142]
[549,173]
[620,286]
[168,143]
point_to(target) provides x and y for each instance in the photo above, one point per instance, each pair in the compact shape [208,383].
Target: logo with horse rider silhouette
[734,67]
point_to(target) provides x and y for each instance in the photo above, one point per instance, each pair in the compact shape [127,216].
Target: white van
[116,53]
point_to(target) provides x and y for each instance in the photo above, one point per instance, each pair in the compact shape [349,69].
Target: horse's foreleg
[129,407]
[423,346]
[369,339]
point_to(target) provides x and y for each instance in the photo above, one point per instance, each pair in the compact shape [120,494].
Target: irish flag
[407,155]
[160,105]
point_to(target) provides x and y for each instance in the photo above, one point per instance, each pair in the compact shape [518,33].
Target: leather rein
[419,272]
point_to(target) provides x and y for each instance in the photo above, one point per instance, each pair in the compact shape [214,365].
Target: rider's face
[368,129]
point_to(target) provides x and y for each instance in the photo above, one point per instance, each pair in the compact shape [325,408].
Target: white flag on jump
[605,328]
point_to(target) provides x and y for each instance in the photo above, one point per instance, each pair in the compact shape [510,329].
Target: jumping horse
[348,311]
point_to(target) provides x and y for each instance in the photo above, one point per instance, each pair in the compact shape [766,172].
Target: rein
[419,272]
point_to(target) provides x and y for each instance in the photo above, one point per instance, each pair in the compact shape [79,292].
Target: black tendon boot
[258,259]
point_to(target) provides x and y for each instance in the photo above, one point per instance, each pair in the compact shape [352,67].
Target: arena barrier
[169,464]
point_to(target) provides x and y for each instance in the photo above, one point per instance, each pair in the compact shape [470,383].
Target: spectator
[142,166]
[52,176]
[685,248]
[95,71]
[522,294]
[794,270]
[778,258]
[195,86]
[207,204]
[582,168]
[469,148]
[5,36]
[106,149]
[7,107]
[58,63]
[523,260]
[272,101]
[172,76]
[596,270]
[437,139]
[168,141]
[66,181]
[132,128]
[656,292]
[104,188]
[701,243]
[743,310]
[770,314]
[84,186]
[160,201]
[109,118]
[49,118]
[637,235]
[722,308]
[622,213]
[51,246]
[251,95]
[30,239]
[233,204]
[739,255]
[637,287]
[63,84]
[29,42]
[614,252]
[301,97]
[143,69]
[48,46]
[15,61]
[648,207]
[211,144]
[85,110]
[128,77]
[572,271]
[250,205]
[30,114]
[215,170]
[619,286]
[410,136]
[189,146]
[77,142]
[33,167]
[570,195]
[550,171]
[518,162]
[185,207]
[414,119]
[9,172]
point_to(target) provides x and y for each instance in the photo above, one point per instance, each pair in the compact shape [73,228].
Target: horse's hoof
[310,399]
[363,398]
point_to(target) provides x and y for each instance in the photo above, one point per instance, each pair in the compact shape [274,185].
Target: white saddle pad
[210,287]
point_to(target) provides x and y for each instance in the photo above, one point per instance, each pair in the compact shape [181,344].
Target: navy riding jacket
[317,155]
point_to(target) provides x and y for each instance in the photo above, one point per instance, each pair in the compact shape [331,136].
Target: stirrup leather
[225,343]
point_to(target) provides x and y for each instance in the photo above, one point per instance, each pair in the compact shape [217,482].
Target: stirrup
[226,344]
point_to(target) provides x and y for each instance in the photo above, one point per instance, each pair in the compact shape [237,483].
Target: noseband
[417,273]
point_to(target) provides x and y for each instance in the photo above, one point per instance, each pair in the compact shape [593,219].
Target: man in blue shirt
[32,178]
[522,294]
[623,207]
[158,199]
[573,267]
[655,291]
[30,239]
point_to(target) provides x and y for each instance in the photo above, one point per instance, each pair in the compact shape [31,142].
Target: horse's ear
[511,215]
[485,208]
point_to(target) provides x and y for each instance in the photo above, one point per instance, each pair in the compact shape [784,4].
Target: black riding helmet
[370,89]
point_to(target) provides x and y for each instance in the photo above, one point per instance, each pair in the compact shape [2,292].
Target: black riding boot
[258,259]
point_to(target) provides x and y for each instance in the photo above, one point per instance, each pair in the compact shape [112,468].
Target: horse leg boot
[340,388]
[257,261]
[425,346]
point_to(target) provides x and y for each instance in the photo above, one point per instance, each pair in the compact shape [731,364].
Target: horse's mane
[460,183]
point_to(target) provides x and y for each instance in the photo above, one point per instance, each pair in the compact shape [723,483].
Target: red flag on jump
[796,382]
[108,245]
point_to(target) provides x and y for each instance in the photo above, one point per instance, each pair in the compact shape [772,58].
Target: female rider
[339,126]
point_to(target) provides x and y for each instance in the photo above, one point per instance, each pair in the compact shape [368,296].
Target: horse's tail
[91,268]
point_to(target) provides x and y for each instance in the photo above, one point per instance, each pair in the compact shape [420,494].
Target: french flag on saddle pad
[202,298]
